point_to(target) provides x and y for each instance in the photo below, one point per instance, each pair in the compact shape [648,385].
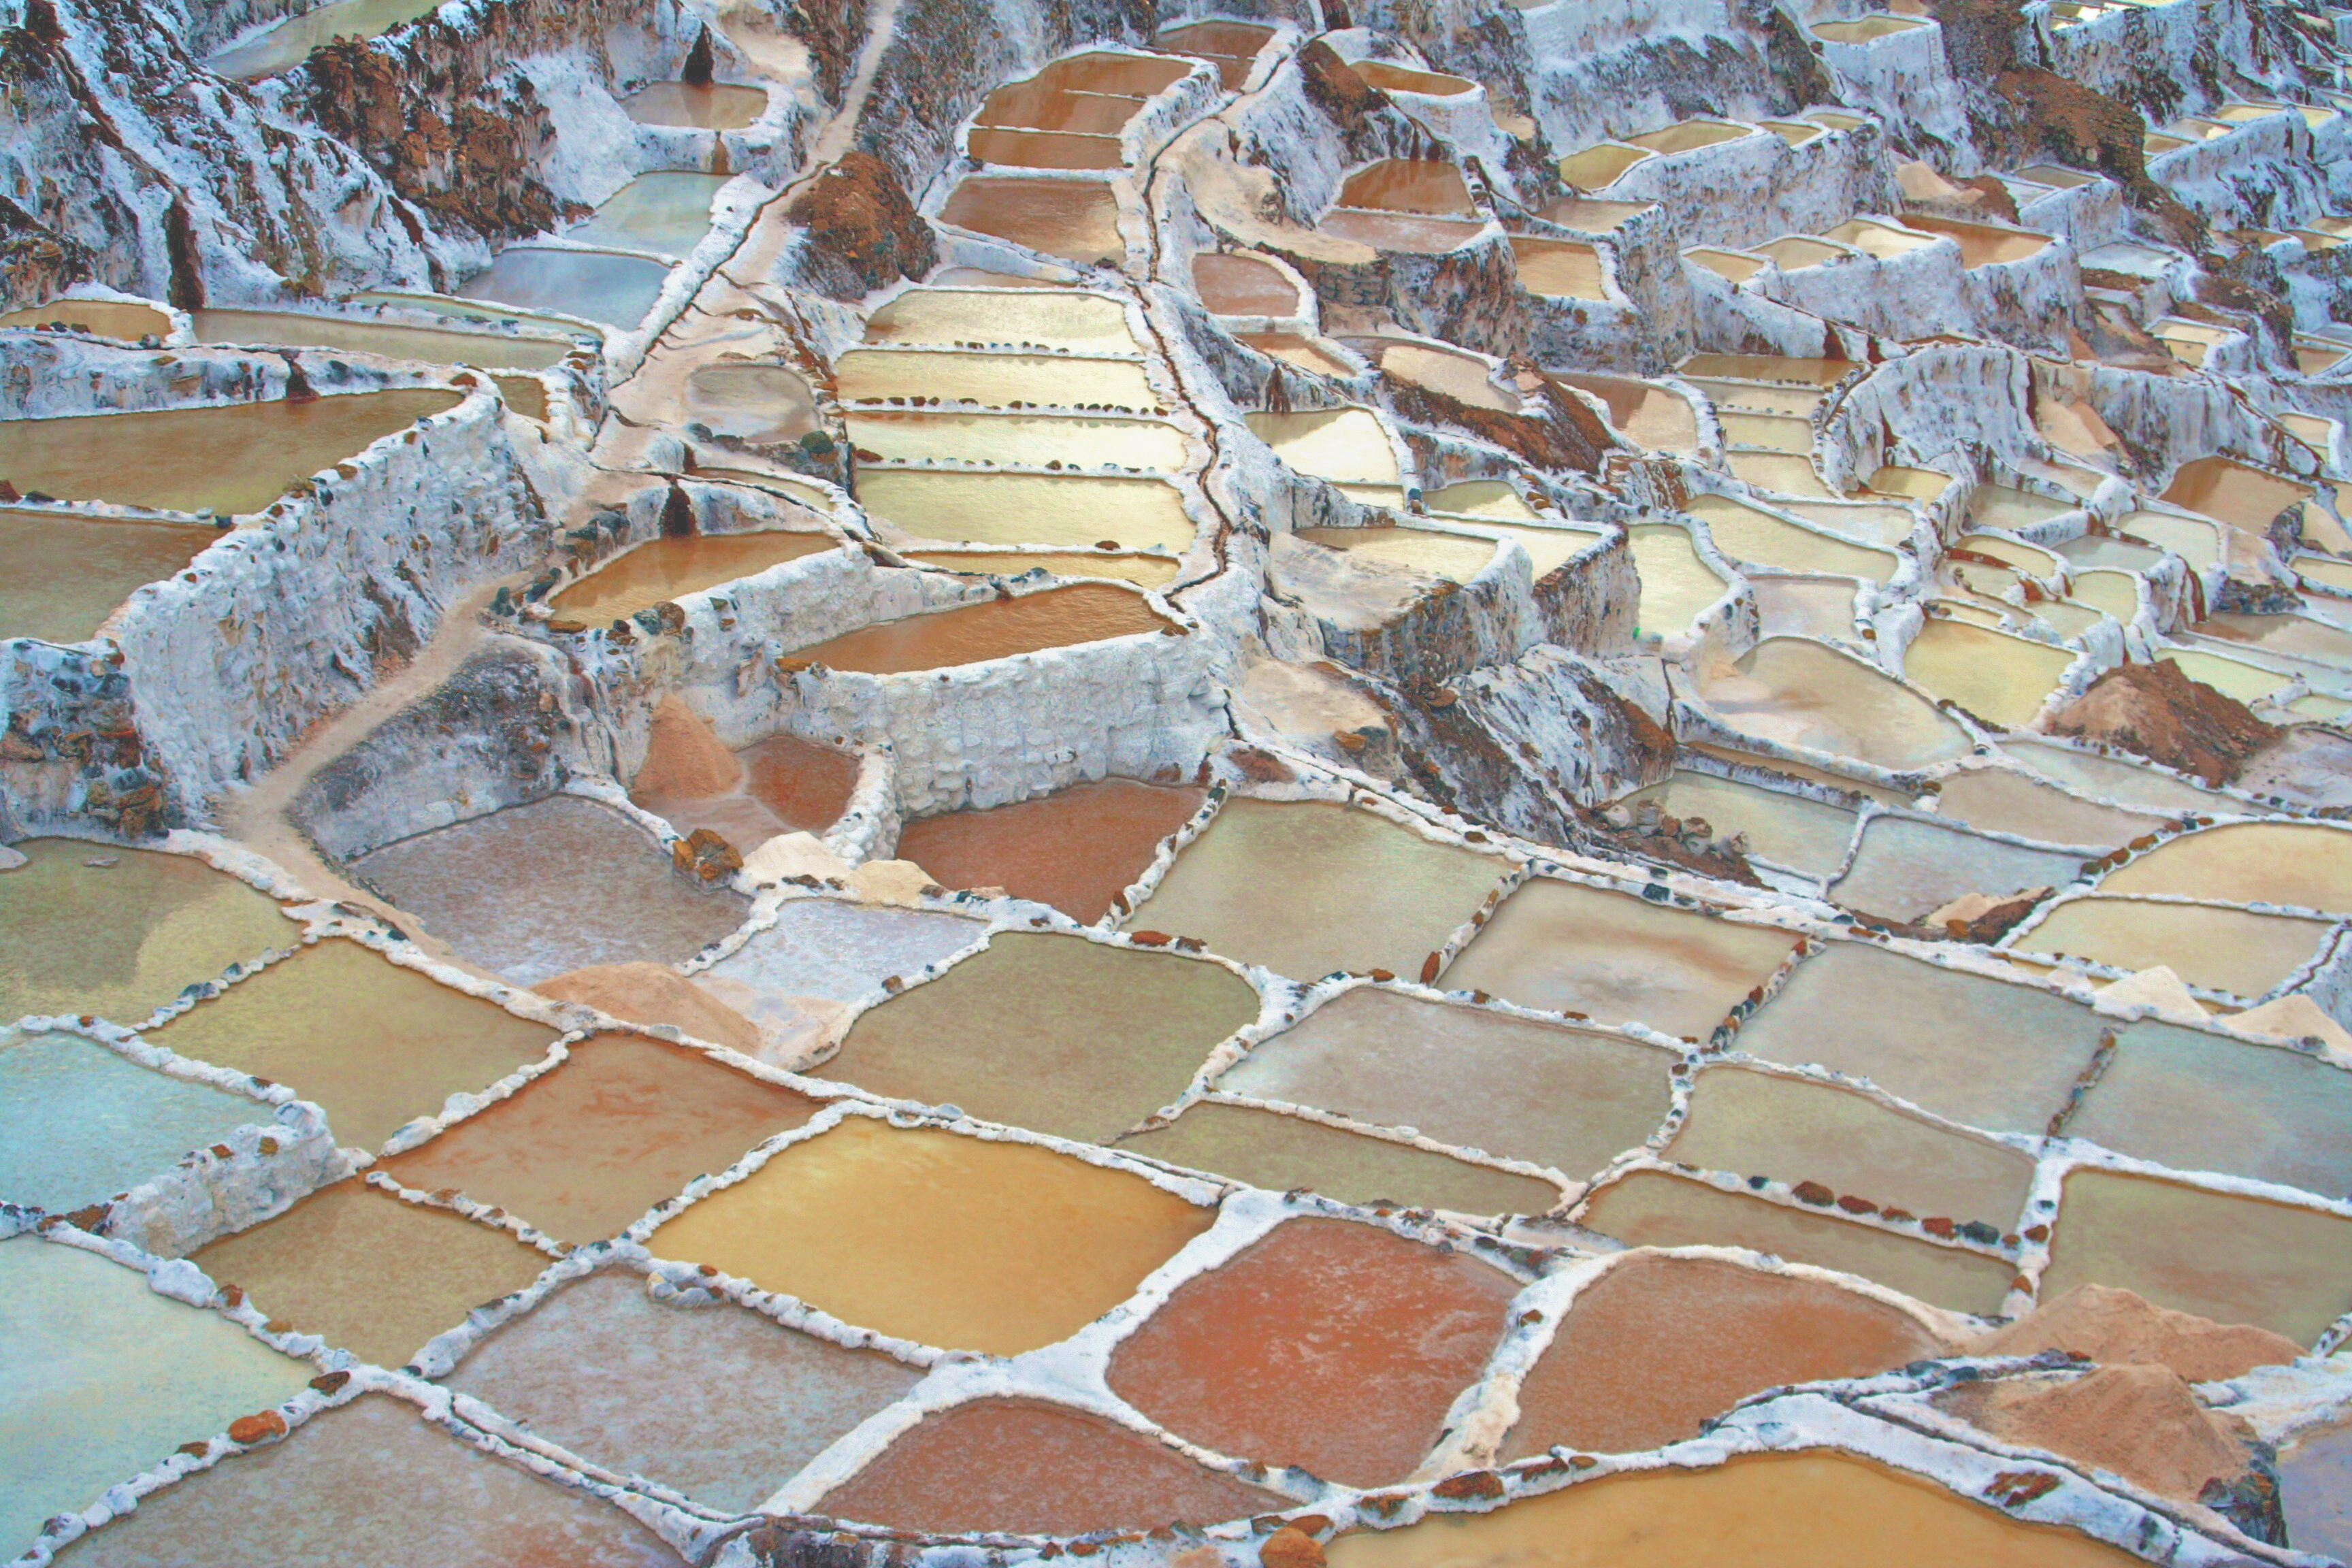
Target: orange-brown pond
[781,785]
[2246,498]
[1075,849]
[1408,186]
[1330,1345]
[1076,220]
[66,574]
[1231,284]
[992,628]
[232,461]
[672,568]
[1025,1465]
[1658,1345]
[126,319]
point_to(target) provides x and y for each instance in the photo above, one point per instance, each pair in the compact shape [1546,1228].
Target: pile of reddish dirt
[2157,711]
[654,994]
[2115,1327]
[2140,1422]
[684,759]
[863,226]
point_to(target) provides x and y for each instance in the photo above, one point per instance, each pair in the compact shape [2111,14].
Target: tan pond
[1408,186]
[1793,252]
[1616,958]
[1642,411]
[1144,570]
[2293,864]
[1981,244]
[993,380]
[2005,506]
[1075,220]
[1452,556]
[1391,77]
[1345,443]
[1866,30]
[66,574]
[1675,584]
[1027,509]
[1756,396]
[992,628]
[1056,319]
[1752,1512]
[2109,778]
[1304,352]
[1010,149]
[1796,692]
[2246,498]
[1029,440]
[1873,522]
[1413,234]
[2030,559]
[1769,367]
[713,107]
[232,461]
[1905,869]
[1773,431]
[2295,636]
[1559,268]
[1744,533]
[1736,265]
[1464,377]
[2230,950]
[1804,835]
[1232,284]
[672,568]
[2237,677]
[126,319]
[1778,472]
[2001,800]
[2000,679]
[1482,498]
[1597,168]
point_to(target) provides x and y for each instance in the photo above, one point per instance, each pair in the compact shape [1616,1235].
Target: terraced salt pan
[1308,888]
[2244,498]
[1465,378]
[1563,1098]
[1650,1208]
[1675,584]
[2294,637]
[1616,958]
[1074,220]
[1559,268]
[1753,398]
[1405,232]
[1003,1247]
[1343,444]
[1872,522]
[2232,1259]
[356,1474]
[287,43]
[583,1152]
[367,1272]
[1976,1050]
[2214,945]
[231,460]
[2000,679]
[2195,1102]
[1053,1032]
[656,1389]
[118,940]
[1796,692]
[1998,800]
[121,319]
[754,402]
[1078,441]
[2238,677]
[992,379]
[787,785]
[2293,864]
[1754,1123]
[1451,556]
[1804,835]
[990,628]
[1407,186]
[1044,150]
[1388,78]
[672,567]
[1658,1345]
[705,106]
[2030,559]
[2191,538]
[1796,606]
[106,1377]
[1642,412]
[1770,431]
[836,952]
[433,345]
[1028,509]
[2105,549]
[536,891]
[1770,368]
[80,1124]
[1281,1152]
[1076,850]
[1027,1465]
[2110,592]
[1054,319]
[376,1043]
[1233,46]
[1229,283]
[1734,266]
[1333,1346]
[1744,533]
[1781,473]
[608,287]
[2316,1491]
[1306,353]
[1778,1508]
[2108,778]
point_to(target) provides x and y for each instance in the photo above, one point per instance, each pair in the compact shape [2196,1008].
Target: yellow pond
[2214,945]
[1074,441]
[1997,678]
[1796,692]
[1027,509]
[664,569]
[1345,443]
[2298,865]
[1058,318]
[1675,584]
[995,380]
[1744,533]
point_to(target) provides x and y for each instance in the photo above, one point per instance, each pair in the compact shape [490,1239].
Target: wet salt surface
[1075,849]
[1905,870]
[78,1123]
[841,952]
[67,574]
[2316,1491]
[657,1389]
[357,1475]
[536,891]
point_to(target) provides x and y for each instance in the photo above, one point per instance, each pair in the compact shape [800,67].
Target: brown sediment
[1031,1467]
[2140,1422]
[1657,1345]
[586,1148]
[1330,1345]
[642,993]
[1075,220]
[684,756]
[990,629]
[2160,713]
[863,226]
[1075,849]
[2117,1327]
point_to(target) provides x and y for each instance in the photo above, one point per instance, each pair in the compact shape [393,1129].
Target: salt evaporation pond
[707,107]
[992,628]
[1028,509]
[673,567]
[67,574]
[607,287]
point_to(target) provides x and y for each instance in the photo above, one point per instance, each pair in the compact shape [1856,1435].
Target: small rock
[1290,1547]
[251,1429]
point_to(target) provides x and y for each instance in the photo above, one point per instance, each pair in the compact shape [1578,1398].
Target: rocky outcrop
[2158,712]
